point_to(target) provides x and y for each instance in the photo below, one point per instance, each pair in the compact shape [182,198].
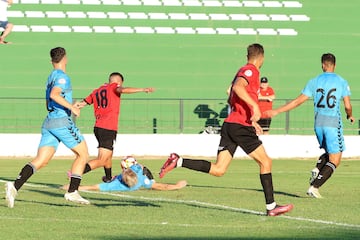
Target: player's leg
[42,158]
[251,145]
[12,188]
[328,169]
[226,151]
[104,160]
[174,161]
[106,139]
[323,159]
[46,151]
[265,165]
[320,163]
[8,28]
[72,139]
[77,169]
[222,163]
[332,141]
[216,169]
[324,174]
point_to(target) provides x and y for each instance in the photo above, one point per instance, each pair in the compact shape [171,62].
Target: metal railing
[160,116]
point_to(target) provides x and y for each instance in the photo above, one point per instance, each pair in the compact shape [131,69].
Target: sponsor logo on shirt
[62,81]
[248,73]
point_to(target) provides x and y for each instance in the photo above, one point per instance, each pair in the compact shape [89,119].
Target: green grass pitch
[229,207]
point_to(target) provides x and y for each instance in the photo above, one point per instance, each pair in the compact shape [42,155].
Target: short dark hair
[264,80]
[255,50]
[328,58]
[57,54]
[116,74]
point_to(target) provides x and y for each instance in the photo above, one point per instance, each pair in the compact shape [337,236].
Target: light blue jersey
[58,125]
[58,78]
[327,91]
[118,185]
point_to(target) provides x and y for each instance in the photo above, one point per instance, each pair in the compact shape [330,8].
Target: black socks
[197,165]
[74,183]
[324,174]
[26,172]
[266,182]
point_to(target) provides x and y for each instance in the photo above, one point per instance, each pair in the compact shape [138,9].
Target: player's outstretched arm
[287,107]
[168,187]
[135,90]
[80,104]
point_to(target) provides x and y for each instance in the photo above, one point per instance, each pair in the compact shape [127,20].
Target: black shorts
[265,124]
[105,137]
[147,173]
[234,135]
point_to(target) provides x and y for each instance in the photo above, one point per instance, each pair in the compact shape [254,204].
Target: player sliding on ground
[134,177]
[240,128]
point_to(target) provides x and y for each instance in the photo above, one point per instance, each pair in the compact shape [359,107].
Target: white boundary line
[206,204]
[219,206]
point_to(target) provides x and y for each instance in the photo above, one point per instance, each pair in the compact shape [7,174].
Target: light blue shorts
[330,139]
[3,24]
[56,130]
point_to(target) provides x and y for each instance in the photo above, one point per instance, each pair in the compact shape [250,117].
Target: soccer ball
[127,162]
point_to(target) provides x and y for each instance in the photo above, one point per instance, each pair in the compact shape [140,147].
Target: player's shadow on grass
[113,202]
[121,202]
[108,237]
[183,238]
[38,184]
[249,189]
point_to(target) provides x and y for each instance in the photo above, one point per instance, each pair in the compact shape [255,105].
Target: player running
[4,23]
[57,127]
[327,90]
[240,128]
[106,101]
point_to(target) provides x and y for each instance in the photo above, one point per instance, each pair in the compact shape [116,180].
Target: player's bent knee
[217,172]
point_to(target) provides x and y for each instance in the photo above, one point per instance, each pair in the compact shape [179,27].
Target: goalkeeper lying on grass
[132,178]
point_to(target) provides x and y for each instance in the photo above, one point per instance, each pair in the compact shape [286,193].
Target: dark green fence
[161,116]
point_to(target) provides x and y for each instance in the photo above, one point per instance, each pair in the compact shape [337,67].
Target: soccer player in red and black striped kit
[106,101]
[240,128]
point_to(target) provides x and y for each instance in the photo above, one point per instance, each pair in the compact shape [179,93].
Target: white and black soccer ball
[127,162]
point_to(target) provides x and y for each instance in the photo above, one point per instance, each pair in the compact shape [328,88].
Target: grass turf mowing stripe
[199,203]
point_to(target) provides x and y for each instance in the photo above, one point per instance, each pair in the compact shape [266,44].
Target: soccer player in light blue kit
[57,127]
[120,184]
[4,23]
[132,179]
[327,91]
